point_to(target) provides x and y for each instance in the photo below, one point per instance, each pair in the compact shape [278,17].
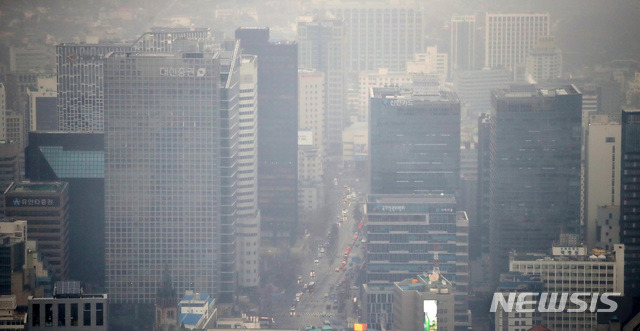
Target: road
[329,300]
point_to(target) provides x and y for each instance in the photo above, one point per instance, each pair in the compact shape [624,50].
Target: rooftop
[411,198]
[530,91]
[189,319]
[27,186]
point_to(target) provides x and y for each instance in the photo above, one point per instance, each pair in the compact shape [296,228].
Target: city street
[330,267]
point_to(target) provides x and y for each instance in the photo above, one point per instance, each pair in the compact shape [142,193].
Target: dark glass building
[535,169]
[630,200]
[414,140]
[78,159]
[277,130]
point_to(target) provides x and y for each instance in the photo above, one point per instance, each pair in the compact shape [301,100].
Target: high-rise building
[311,147]
[535,169]
[80,85]
[544,61]
[43,113]
[463,46]
[509,37]
[322,45]
[383,35]
[277,131]
[78,159]
[248,229]
[45,207]
[80,73]
[414,141]
[430,62]
[171,172]
[3,112]
[405,232]
[9,167]
[601,172]
[630,200]
[473,87]
[379,78]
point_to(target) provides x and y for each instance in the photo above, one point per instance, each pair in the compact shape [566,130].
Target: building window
[86,316]
[48,314]
[35,311]
[74,314]
[62,314]
[99,314]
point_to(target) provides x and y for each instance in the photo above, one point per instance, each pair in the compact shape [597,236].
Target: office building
[10,317]
[12,259]
[535,169]
[517,283]
[382,35]
[509,37]
[32,58]
[171,172]
[3,112]
[80,74]
[431,62]
[277,131]
[322,45]
[544,61]
[473,87]
[312,106]
[405,232]
[355,147]
[69,309]
[607,227]
[629,199]
[80,85]
[378,78]
[463,44]
[78,159]
[43,113]
[248,229]
[45,207]
[414,140]
[571,269]
[416,300]
[9,167]
[601,172]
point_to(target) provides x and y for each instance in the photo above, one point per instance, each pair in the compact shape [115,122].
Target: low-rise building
[69,309]
[197,311]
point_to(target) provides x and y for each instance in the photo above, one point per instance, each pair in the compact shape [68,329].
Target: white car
[316,262]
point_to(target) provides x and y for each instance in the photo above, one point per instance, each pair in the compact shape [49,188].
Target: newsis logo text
[529,302]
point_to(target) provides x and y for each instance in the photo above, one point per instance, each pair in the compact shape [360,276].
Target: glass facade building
[277,131]
[414,142]
[535,169]
[630,200]
[170,172]
[78,159]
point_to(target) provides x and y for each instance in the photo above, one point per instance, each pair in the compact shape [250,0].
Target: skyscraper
[535,169]
[80,85]
[380,35]
[509,37]
[80,78]
[78,159]
[414,141]
[277,131]
[170,172]
[322,45]
[629,200]
[463,46]
[601,172]
[248,229]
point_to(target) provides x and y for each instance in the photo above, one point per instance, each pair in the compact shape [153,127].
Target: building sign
[182,72]
[430,315]
[32,202]
[410,208]
[398,102]
[305,138]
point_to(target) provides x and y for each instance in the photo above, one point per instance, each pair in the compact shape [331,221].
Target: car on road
[316,262]
[337,269]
